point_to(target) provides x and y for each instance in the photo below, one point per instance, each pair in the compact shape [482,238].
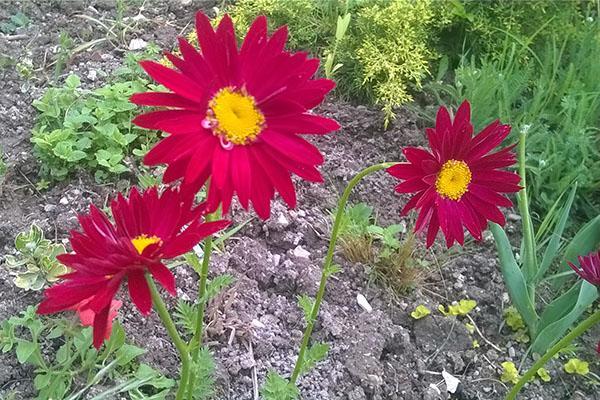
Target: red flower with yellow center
[235,115]
[148,228]
[458,183]
[589,267]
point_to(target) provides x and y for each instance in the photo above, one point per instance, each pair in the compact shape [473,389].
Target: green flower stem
[196,342]
[564,342]
[529,260]
[181,346]
[325,273]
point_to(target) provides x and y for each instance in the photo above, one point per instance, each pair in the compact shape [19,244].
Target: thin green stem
[196,342]
[325,273]
[529,259]
[564,342]
[180,345]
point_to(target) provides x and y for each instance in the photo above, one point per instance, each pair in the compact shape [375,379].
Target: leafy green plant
[35,263]
[90,129]
[539,253]
[76,366]
[16,21]
[278,388]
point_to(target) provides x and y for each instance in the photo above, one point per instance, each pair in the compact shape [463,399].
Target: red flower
[589,267]
[235,115]
[148,228]
[87,315]
[457,183]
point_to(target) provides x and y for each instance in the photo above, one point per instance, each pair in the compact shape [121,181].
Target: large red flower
[235,115]
[457,183]
[148,228]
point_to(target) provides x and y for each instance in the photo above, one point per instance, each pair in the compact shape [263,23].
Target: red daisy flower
[235,115]
[148,228]
[457,183]
[589,267]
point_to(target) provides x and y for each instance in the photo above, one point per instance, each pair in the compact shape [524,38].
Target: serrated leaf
[216,285]
[306,304]
[315,353]
[278,388]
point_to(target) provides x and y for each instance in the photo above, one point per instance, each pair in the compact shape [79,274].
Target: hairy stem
[529,260]
[564,342]
[327,264]
[180,345]
[196,342]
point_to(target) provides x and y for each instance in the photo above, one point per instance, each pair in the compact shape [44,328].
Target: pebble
[49,207]
[137,44]
[64,201]
[301,252]
[363,302]
[511,352]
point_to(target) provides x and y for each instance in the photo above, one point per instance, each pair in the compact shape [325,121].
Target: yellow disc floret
[453,179]
[234,116]
[142,241]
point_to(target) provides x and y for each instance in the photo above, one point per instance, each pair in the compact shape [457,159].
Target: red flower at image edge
[235,115]
[589,270]
[457,183]
[148,228]
[589,267]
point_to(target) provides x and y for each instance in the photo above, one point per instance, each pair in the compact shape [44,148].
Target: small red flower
[235,115]
[589,267]
[148,229]
[457,183]
[87,315]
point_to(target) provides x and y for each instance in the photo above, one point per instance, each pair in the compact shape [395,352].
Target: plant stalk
[529,259]
[180,345]
[325,273]
[564,342]
[196,342]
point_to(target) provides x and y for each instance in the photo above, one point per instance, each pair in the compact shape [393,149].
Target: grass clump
[79,129]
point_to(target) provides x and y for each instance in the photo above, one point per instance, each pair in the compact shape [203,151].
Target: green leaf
[514,279]
[62,354]
[278,388]
[315,353]
[25,350]
[128,353]
[555,241]
[41,381]
[554,331]
[216,285]
[73,81]
[306,303]
[116,341]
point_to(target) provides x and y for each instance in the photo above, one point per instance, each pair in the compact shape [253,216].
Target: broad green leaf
[25,350]
[128,353]
[62,354]
[41,381]
[554,244]
[116,341]
[513,278]
[342,26]
[555,331]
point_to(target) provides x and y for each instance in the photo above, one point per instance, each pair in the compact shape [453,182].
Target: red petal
[163,276]
[176,81]
[100,326]
[293,147]
[163,99]
[139,291]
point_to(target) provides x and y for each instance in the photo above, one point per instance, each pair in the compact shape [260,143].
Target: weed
[83,129]
[35,264]
[77,366]
[16,21]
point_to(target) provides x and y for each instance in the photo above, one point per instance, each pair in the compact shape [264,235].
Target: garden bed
[255,325]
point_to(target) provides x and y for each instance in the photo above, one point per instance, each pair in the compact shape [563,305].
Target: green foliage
[577,366]
[388,250]
[420,311]
[76,366]
[374,62]
[16,21]
[510,374]
[315,353]
[278,388]
[35,263]
[204,371]
[90,129]
[306,304]
[524,276]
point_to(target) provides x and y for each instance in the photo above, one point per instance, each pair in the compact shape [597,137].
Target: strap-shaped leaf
[514,279]
[554,331]
[560,306]
[555,241]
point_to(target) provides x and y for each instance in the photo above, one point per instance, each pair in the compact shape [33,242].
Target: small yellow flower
[420,312]
[577,366]
[543,374]
[475,344]
[509,372]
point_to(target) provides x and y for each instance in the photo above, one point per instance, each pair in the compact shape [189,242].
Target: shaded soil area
[256,325]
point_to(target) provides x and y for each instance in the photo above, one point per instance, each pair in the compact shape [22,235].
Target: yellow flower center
[142,241]
[234,115]
[453,179]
